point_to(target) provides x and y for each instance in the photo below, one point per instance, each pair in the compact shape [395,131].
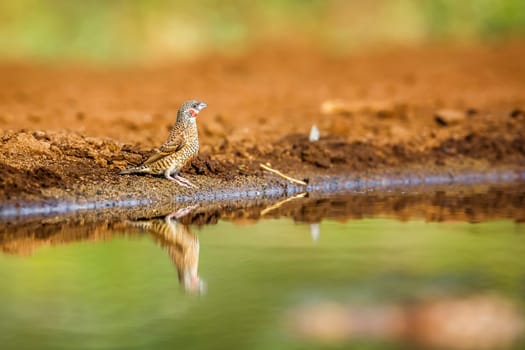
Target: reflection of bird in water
[181,244]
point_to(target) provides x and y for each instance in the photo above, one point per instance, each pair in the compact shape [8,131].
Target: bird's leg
[168,176]
[186,181]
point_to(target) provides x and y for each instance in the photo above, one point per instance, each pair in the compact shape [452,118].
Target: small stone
[447,117]
[314,134]
[39,134]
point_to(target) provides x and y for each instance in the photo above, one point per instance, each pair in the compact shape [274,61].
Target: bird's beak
[201,106]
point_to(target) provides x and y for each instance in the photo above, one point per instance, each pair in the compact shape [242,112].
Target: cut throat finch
[180,147]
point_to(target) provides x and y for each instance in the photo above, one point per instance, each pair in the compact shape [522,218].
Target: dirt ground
[67,130]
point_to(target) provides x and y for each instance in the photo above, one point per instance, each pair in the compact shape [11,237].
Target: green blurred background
[138,30]
[123,293]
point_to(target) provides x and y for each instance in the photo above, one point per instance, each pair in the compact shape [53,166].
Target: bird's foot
[186,181]
[179,180]
[181,212]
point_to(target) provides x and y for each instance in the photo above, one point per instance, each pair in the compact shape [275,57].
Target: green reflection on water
[125,293]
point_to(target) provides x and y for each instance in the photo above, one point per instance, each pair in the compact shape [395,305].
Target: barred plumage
[181,244]
[182,145]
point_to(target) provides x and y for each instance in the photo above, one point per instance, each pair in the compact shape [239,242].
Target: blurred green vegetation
[124,293]
[121,30]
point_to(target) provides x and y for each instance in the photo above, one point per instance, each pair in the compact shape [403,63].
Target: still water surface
[373,283]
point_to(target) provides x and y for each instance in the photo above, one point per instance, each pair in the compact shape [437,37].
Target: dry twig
[286,177]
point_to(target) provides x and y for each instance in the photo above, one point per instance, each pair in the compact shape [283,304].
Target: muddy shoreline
[269,188]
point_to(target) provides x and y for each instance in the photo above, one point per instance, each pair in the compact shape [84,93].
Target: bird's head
[192,108]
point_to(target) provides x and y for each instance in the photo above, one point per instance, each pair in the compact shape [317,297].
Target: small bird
[182,145]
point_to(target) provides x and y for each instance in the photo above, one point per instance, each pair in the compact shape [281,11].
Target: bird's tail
[134,170]
[142,225]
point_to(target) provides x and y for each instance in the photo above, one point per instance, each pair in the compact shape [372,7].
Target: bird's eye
[194,105]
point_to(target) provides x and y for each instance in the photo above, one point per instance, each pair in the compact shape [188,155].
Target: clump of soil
[14,182]
[74,128]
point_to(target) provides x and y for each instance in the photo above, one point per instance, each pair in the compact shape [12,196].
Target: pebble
[314,134]
[447,117]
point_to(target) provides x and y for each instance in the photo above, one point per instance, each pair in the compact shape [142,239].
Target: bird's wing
[173,145]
